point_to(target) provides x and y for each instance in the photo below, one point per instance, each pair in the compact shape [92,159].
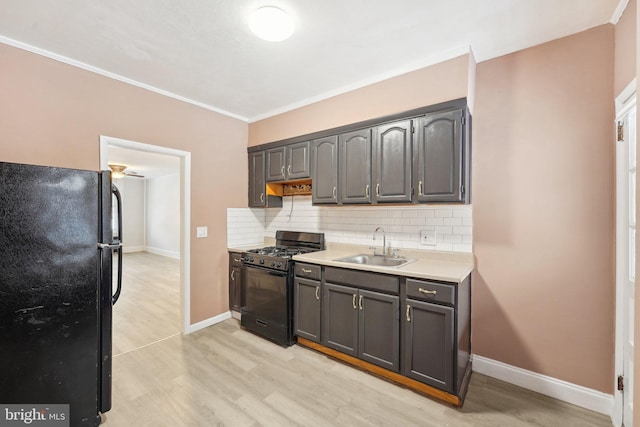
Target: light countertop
[444,266]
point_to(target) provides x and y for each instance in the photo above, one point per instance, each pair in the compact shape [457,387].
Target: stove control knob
[273,263]
[250,259]
[279,264]
[261,261]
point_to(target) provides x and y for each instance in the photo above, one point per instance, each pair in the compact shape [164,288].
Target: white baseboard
[129,249]
[209,322]
[163,252]
[562,390]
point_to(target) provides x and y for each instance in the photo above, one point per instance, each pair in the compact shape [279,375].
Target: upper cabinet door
[392,156]
[324,170]
[276,170]
[297,160]
[257,187]
[438,157]
[355,167]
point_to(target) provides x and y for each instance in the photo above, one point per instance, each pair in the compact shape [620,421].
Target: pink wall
[625,48]
[438,83]
[543,182]
[53,114]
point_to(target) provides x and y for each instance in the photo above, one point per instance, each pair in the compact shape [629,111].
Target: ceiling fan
[118,171]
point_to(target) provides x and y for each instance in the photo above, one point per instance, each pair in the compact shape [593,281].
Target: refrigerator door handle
[116,192]
[109,246]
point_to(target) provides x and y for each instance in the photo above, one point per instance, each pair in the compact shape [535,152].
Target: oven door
[266,294]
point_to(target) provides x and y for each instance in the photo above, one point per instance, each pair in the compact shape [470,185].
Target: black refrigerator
[56,292]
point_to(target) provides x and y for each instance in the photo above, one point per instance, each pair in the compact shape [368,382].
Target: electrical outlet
[201,232]
[428,237]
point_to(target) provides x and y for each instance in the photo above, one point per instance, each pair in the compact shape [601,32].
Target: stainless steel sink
[379,260]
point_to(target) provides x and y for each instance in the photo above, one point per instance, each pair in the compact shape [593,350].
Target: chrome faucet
[384,242]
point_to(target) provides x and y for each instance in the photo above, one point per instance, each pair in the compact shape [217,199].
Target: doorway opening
[626,177]
[183,162]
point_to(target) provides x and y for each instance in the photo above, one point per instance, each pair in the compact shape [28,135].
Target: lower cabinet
[306,318]
[307,301]
[417,328]
[235,281]
[428,350]
[362,323]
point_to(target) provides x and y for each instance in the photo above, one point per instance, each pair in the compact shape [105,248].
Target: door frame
[185,213]
[623,102]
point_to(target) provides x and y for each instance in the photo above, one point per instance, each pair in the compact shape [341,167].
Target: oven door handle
[264,270]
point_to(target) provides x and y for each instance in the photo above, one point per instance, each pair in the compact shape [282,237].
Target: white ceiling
[204,52]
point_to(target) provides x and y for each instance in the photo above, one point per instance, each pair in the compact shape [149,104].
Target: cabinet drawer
[236,258]
[431,291]
[362,279]
[308,271]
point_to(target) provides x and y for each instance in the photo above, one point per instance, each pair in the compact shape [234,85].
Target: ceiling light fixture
[271,23]
[117,171]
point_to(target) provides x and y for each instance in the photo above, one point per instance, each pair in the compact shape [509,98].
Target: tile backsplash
[355,224]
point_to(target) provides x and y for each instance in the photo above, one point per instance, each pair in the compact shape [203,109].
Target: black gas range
[268,284]
[276,257]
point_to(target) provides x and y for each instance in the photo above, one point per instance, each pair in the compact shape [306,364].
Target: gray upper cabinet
[276,169]
[257,185]
[324,171]
[392,162]
[288,162]
[438,157]
[419,156]
[354,179]
[298,160]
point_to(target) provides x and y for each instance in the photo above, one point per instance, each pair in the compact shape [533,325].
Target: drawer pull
[354,302]
[237,260]
[427,292]
[305,271]
[407,313]
[318,293]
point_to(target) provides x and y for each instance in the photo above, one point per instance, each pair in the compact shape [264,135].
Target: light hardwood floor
[225,376]
[149,306]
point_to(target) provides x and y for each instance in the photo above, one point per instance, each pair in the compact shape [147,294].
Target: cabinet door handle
[378,190]
[354,301]
[237,260]
[282,170]
[366,191]
[318,293]
[305,271]
[360,302]
[233,275]
[419,188]
[261,197]
[427,292]
[334,192]
[289,169]
[407,313]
